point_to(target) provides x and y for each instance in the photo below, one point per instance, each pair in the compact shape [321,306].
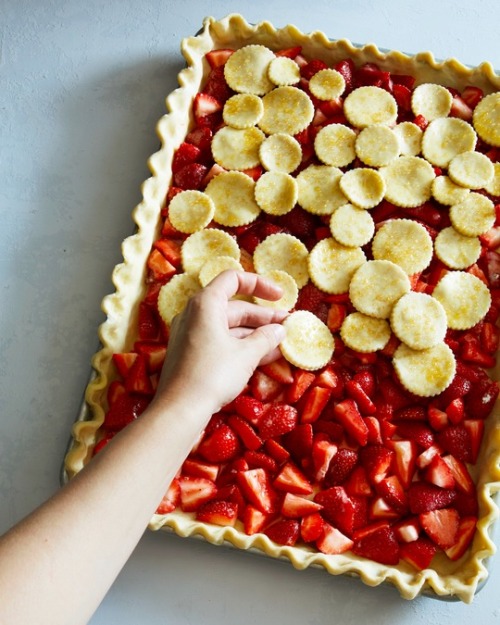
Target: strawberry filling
[344,458]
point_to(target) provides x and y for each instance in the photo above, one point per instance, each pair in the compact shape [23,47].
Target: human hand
[216,342]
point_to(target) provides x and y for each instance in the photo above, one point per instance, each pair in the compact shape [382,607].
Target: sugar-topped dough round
[246,70]
[446,192]
[493,186]
[465,298]
[237,148]
[283,251]
[486,119]
[289,287]
[233,194]
[426,372]
[212,267]
[363,186]
[365,334]
[456,250]
[377,145]
[334,145]
[308,343]
[471,169]
[332,265]
[473,216]
[190,211]
[446,137]
[410,138]
[370,105]
[276,192]
[431,101]
[408,181]
[376,286]
[175,294]
[419,320]
[286,109]
[319,189]
[405,243]
[205,244]
[280,152]
[243,110]
[283,71]
[352,226]
[327,84]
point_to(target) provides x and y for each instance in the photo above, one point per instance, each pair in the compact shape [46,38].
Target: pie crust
[446,579]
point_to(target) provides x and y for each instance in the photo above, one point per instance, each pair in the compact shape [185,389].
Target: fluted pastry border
[459,580]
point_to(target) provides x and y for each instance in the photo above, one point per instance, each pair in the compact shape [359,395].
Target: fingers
[246,314]
[263,343]
[229,283]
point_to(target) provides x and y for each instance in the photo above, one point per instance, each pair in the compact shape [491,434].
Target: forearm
[48,563]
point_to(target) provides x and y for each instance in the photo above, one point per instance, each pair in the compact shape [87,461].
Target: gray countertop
[82,85]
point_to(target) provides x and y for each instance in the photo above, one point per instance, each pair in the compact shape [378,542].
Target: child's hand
[216,343]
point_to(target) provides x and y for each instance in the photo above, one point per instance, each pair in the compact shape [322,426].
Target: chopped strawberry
[248,436]
[301,382]
[338,508]
[254,520]
[425,497]
[154,354]
[256,459]
[313,67]
[391,489]
[419,553]
[310,298]
[465,534]
[315,401]
[357,483]
[250,408]
[159,268]
[402,96]
[341,466]
[332,541]
[439,473]
[195,491]
[284,532]
[299,441]
[356,392]
[475,428]
[311,527]
[460,473]
[379,544]
[220,446]
[123,362]
[217,87]
[218,57]
[472,96]
[295,507]
[137,380]
[171,250]
[279,370]
[347,413]
[416,431]
[290,53]
[460,108]
[377,461]
[322,453]
[218,512]
[263,387]
[407,530]
[441,526]
[191,176]
[201,137]
[256,487]
[455,440]
[171,499]
[185,154]
[347,68]
[277,420]
[292,480]
[480,401]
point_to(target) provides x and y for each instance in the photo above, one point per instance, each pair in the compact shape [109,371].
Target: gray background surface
[82,85]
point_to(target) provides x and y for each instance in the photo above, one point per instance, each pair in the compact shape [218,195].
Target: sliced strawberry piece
[315,401]
[279,419]
[379,509]
[347,68]
[276,451]
[441,526]
[299,222]
[217,87]
[357,483]
[159,268]
[374,430]
[379,544]
[216,58]
[455,439]
[490,337]
[461,475]
[279,370]
[295,507]
[218,512]
[254,520]
[197,468]
[191,176]
[185,154]
[201,137]
[363,401]
[332,541]
[148,324]
[312,67]
[171,249]
[256,487]
[475,428]
[153,352]
[349,417]
[256,459]
[220,446]
[171,499]
[338,508]
[480,401]
[123,362]
[341,466]
[124,410]
[439,473]
[102,443]
[137,380]
[377,461]
[292,480]
[419,553]
[302,380]
[425,497]
[299,441]
[460,108]
[311,527]
[322,453]
[291,53]
[284,532]
[402,96]
[391,489]
[465,534]
[417,432]
[408,530]
[248,436]
[195,491]
[263,387]
[205,104]
[438,419]
[250,408]
[472,96]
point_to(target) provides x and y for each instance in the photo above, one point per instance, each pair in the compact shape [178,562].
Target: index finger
[233,282]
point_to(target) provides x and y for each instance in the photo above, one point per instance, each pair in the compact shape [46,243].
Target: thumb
[263,341]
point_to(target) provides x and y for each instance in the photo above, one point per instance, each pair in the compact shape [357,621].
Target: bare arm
[57,564]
